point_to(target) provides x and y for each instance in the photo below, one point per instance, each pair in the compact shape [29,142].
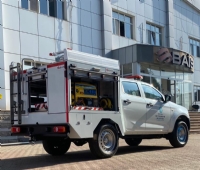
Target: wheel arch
[185,119]
[108,121]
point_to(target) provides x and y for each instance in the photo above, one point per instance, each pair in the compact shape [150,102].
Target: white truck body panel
[84,128]
[56,91]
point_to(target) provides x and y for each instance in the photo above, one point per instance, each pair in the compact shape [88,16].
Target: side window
[131,88]
[151,93]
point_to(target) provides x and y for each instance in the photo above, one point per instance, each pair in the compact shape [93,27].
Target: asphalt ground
[151,154]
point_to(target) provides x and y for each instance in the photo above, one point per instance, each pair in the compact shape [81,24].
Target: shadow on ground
[45,160]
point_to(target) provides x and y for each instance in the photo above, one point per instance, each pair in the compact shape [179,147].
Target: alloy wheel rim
[182,134]
[107,141]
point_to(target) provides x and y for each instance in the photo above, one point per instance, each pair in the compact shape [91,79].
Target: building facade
[159,39]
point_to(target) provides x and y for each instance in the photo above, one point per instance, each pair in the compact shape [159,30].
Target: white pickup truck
[82,99]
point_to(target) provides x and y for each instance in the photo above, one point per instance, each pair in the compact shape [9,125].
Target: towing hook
[31,140]
[32,143]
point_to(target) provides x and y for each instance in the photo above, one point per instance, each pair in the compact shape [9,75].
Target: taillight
[59,129]
[15,129]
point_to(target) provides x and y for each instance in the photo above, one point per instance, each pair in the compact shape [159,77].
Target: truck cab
[81,98]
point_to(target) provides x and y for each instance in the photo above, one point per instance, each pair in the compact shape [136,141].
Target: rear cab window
[131,88]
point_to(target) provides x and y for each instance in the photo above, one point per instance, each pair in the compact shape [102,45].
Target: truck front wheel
[56,146]
[106,143]
[133,141]
[179,136]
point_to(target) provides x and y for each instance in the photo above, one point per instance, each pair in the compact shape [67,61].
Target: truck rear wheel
[106,143]
[133,141]
[56,146]
[179,136]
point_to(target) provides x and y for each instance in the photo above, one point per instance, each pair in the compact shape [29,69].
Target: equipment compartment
[90,94]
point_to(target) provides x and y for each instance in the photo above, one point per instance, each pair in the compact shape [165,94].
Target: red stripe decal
[67,101]
[15,73]
[55,64]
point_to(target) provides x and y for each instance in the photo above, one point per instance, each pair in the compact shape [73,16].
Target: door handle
[127,101]
[149,104]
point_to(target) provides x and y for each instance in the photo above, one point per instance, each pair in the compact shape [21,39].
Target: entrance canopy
[155,55]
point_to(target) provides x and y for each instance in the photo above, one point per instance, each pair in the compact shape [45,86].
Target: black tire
[179,136]
[56,146]
[133,141]
[106,143]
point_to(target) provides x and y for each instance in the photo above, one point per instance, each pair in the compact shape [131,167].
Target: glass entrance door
[179,92]
[168,87]
[173,88]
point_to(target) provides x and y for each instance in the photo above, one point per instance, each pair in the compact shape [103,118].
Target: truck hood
[179,109]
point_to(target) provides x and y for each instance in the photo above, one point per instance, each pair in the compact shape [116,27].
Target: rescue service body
[42,106]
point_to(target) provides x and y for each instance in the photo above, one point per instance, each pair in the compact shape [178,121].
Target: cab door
[158,113]
[134,108]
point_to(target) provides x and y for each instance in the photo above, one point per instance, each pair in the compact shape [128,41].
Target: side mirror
[167,98]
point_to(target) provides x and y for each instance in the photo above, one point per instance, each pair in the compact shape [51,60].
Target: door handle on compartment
[127,101]
[149,104]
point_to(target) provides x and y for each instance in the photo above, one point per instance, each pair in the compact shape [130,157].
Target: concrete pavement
[150,155]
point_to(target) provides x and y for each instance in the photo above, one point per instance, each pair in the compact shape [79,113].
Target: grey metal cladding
[129,54]
[134,57]
[145,53]
[115,54]
[122,56]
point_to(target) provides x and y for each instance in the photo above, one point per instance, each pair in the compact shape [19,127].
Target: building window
[30,64]
[194,47]
[127,69]
[153,35]
[34,5]
[122,25]
[24,4]
[59,9]
[43,7]
[54,8]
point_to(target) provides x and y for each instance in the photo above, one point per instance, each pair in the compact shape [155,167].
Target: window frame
[56,11]
[149,31]
[143,84]
[116,23]
[33,64]
[194,42]
[131,94]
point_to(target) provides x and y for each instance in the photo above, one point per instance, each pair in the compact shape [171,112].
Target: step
[194,114]
[195,125]
[195,118]
[195,131]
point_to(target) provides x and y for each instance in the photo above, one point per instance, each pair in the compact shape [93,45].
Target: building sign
[1,96]
[172,56]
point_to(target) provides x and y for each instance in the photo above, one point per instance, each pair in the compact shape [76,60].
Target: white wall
[152,11]
[86,26]
[28,34]
[2,72]
[187,26]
